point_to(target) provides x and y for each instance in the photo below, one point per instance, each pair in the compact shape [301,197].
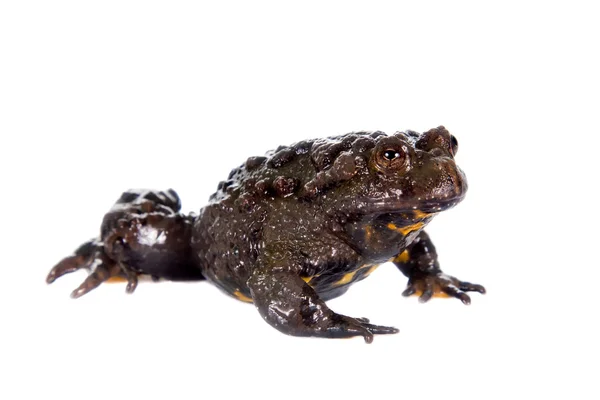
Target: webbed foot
[428,285]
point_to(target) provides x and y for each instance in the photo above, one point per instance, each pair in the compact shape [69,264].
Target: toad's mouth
[393,206]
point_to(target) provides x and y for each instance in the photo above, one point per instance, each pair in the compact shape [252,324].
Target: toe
[89,284]
[132,282]
[471,287]
[426,295]
[355,328]
[368,336]
[381,330]
[409,291]
[453,291]
[100,273]
[65,266]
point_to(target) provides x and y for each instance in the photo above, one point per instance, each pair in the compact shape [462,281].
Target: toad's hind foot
[344,327]
[291,306]
[91,256]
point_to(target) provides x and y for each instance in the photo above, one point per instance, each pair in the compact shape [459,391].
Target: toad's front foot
[429,284]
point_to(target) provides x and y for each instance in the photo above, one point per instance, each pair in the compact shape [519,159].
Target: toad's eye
[453,145]
[391,154]
[391,159]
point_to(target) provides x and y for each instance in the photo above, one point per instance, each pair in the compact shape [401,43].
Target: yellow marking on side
[347,278]
[405,230]
[241,296]
[368,232]
[420,214]
[371,269]
[308,279]
[402,257]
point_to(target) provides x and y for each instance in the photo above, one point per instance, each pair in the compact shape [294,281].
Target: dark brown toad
[295,228]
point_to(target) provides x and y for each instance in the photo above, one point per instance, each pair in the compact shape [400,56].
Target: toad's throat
[405,230]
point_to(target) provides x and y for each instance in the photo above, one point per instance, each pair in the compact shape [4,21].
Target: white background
[99,97]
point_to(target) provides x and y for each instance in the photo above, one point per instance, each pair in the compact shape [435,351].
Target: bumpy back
[303,169]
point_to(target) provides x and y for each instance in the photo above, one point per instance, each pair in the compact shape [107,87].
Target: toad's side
[295,228]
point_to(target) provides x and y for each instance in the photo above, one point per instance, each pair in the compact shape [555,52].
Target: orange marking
[371,269]
[347,278]
[420,214]
[368,232]
[308,279]
[436,294]
[241,296]
[405,230]
[116,279]
[402,257]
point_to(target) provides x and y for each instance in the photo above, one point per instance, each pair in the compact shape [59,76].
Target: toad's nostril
[436,152]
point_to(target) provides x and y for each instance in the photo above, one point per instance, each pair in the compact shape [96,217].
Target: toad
[294,228]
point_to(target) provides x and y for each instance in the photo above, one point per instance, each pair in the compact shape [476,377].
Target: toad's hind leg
[102,269]
[91,256]
[143,233]
[291,306]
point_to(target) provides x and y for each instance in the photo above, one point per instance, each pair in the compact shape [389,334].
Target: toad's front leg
[419,263]
[291,306]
